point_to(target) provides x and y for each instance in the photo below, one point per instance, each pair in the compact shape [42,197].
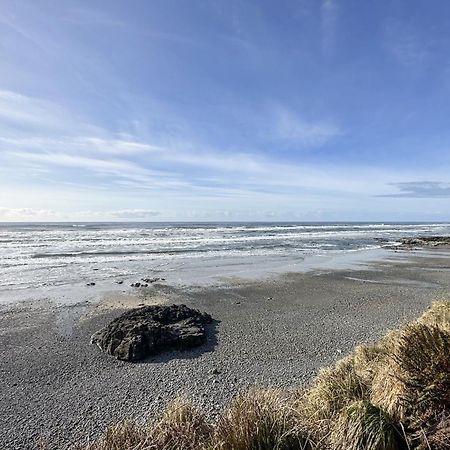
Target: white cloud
[289,127]
[17,109]
[78,144]
[27,214]
[133,214]
[39,215]
[115,146]
[116,168]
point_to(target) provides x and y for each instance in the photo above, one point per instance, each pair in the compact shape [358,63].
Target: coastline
[275,331]
[195,272]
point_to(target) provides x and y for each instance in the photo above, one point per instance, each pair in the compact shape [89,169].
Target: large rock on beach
[150,330]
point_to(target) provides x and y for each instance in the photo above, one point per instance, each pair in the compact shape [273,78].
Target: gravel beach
[279,331]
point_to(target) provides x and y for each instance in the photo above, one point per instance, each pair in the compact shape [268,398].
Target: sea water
[55,254]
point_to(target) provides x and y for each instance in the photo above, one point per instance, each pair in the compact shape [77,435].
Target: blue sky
[224,110]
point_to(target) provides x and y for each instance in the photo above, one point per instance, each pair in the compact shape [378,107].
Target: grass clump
[334,388]
[348,381]
[362,425]
[414,386]
[125,435]
[261,420]
[392,395]
[437,315]
[181,427]
[416,377]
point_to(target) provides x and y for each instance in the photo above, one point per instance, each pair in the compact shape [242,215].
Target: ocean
[56,254]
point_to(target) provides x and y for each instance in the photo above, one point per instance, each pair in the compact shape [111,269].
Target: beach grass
[391,395]
[262,420]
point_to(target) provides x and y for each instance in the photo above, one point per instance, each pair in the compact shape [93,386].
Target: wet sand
[276,331]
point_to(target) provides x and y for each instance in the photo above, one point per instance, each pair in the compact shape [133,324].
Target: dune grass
[362,425]
[260,420]
[392,395]
[180,427]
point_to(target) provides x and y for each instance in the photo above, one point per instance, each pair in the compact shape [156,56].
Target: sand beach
[277,330]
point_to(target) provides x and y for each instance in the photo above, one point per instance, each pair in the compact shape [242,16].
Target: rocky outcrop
[426,241]
[150,330]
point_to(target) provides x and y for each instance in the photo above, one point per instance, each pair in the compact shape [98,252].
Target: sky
[224,110]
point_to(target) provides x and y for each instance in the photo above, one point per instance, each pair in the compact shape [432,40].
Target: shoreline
[197,272]
[277,331]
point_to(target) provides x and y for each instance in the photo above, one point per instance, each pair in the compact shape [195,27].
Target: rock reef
[426,241]
[150,330]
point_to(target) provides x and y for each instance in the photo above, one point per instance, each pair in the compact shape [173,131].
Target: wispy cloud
[96,17]
[117,168]
[179,171]
[329,15]
[208,173]
[407,43]
[421,189]
[133,214]
[79,144]
[35,214]
[9,21]
[22,110]
[29,214]
[288,126]
[136,162]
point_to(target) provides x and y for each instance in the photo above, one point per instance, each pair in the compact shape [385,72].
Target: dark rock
[90,284]
[119,282]
[426,241]
[150,330]
[215,371]
[150,280]
[137,284]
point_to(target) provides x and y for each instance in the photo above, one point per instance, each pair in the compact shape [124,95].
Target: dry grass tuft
[416,379]
[368,358]
[182,427]
[261,420]
[362,425]
[123,436]
[438,315]
[334,388]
